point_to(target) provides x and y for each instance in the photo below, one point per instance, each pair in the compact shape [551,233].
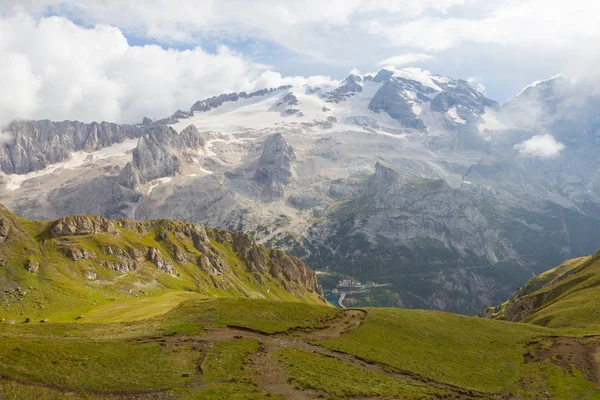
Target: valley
[160,330]
[303,200]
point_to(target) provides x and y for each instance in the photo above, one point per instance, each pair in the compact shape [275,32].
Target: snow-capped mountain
[401,177]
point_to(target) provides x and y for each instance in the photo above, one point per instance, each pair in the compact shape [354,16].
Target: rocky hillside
[47,267]
[565,296]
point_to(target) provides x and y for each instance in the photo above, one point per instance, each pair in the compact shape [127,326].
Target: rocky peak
[160,153]
[217,101]
[383,75]
[275,166]
[349,87]
[538,104]
[469,103]
[391,100]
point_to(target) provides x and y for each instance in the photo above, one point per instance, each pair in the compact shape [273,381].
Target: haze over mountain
[405,178]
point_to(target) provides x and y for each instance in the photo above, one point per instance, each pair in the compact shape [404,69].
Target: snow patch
[453,114]
[490,122]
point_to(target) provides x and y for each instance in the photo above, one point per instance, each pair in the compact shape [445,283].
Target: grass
[469,352]
[260,315]
[102,366]
[566,296]
[226,374]
[152,354]
[16,391]
[138,309]
[314,371]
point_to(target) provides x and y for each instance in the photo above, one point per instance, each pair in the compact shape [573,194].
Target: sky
[121,60]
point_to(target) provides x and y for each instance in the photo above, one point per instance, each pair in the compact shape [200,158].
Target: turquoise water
[333,299]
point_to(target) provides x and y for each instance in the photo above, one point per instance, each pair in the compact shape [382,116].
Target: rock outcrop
[4,230]
[82,225]
[468,102]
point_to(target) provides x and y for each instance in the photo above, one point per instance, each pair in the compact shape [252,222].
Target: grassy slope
[136,356]
[60,292]
[313,371]
[471,353]
[566,296]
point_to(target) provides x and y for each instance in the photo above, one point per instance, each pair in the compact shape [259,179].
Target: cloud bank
[229,42]
[407,59]
[54,69]
[540,146]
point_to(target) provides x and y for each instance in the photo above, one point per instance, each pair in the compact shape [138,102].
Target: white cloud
[542,146]
[506,22]
[476,82]
[407,59]
[54,69]
[467,37]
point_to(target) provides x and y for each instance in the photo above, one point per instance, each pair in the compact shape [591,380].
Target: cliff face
[34,145]
[98,254]
[275,169]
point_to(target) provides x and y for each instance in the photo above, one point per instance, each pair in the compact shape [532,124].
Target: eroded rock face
[469,103]
[82,225]
[275,169]
[156,257]
[260,260]
[80,254]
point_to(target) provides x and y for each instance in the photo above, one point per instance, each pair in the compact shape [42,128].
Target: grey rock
[4,230]
[275,168]
[160,153]
[38,144]
[32,266]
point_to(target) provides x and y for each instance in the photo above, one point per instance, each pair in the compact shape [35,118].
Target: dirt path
[269,375]
[567,353]
[271,378]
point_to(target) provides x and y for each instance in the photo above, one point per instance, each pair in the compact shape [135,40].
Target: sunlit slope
[566,296]
[63,269]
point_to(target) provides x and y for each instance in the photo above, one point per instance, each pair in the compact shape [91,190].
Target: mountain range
[441,197]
